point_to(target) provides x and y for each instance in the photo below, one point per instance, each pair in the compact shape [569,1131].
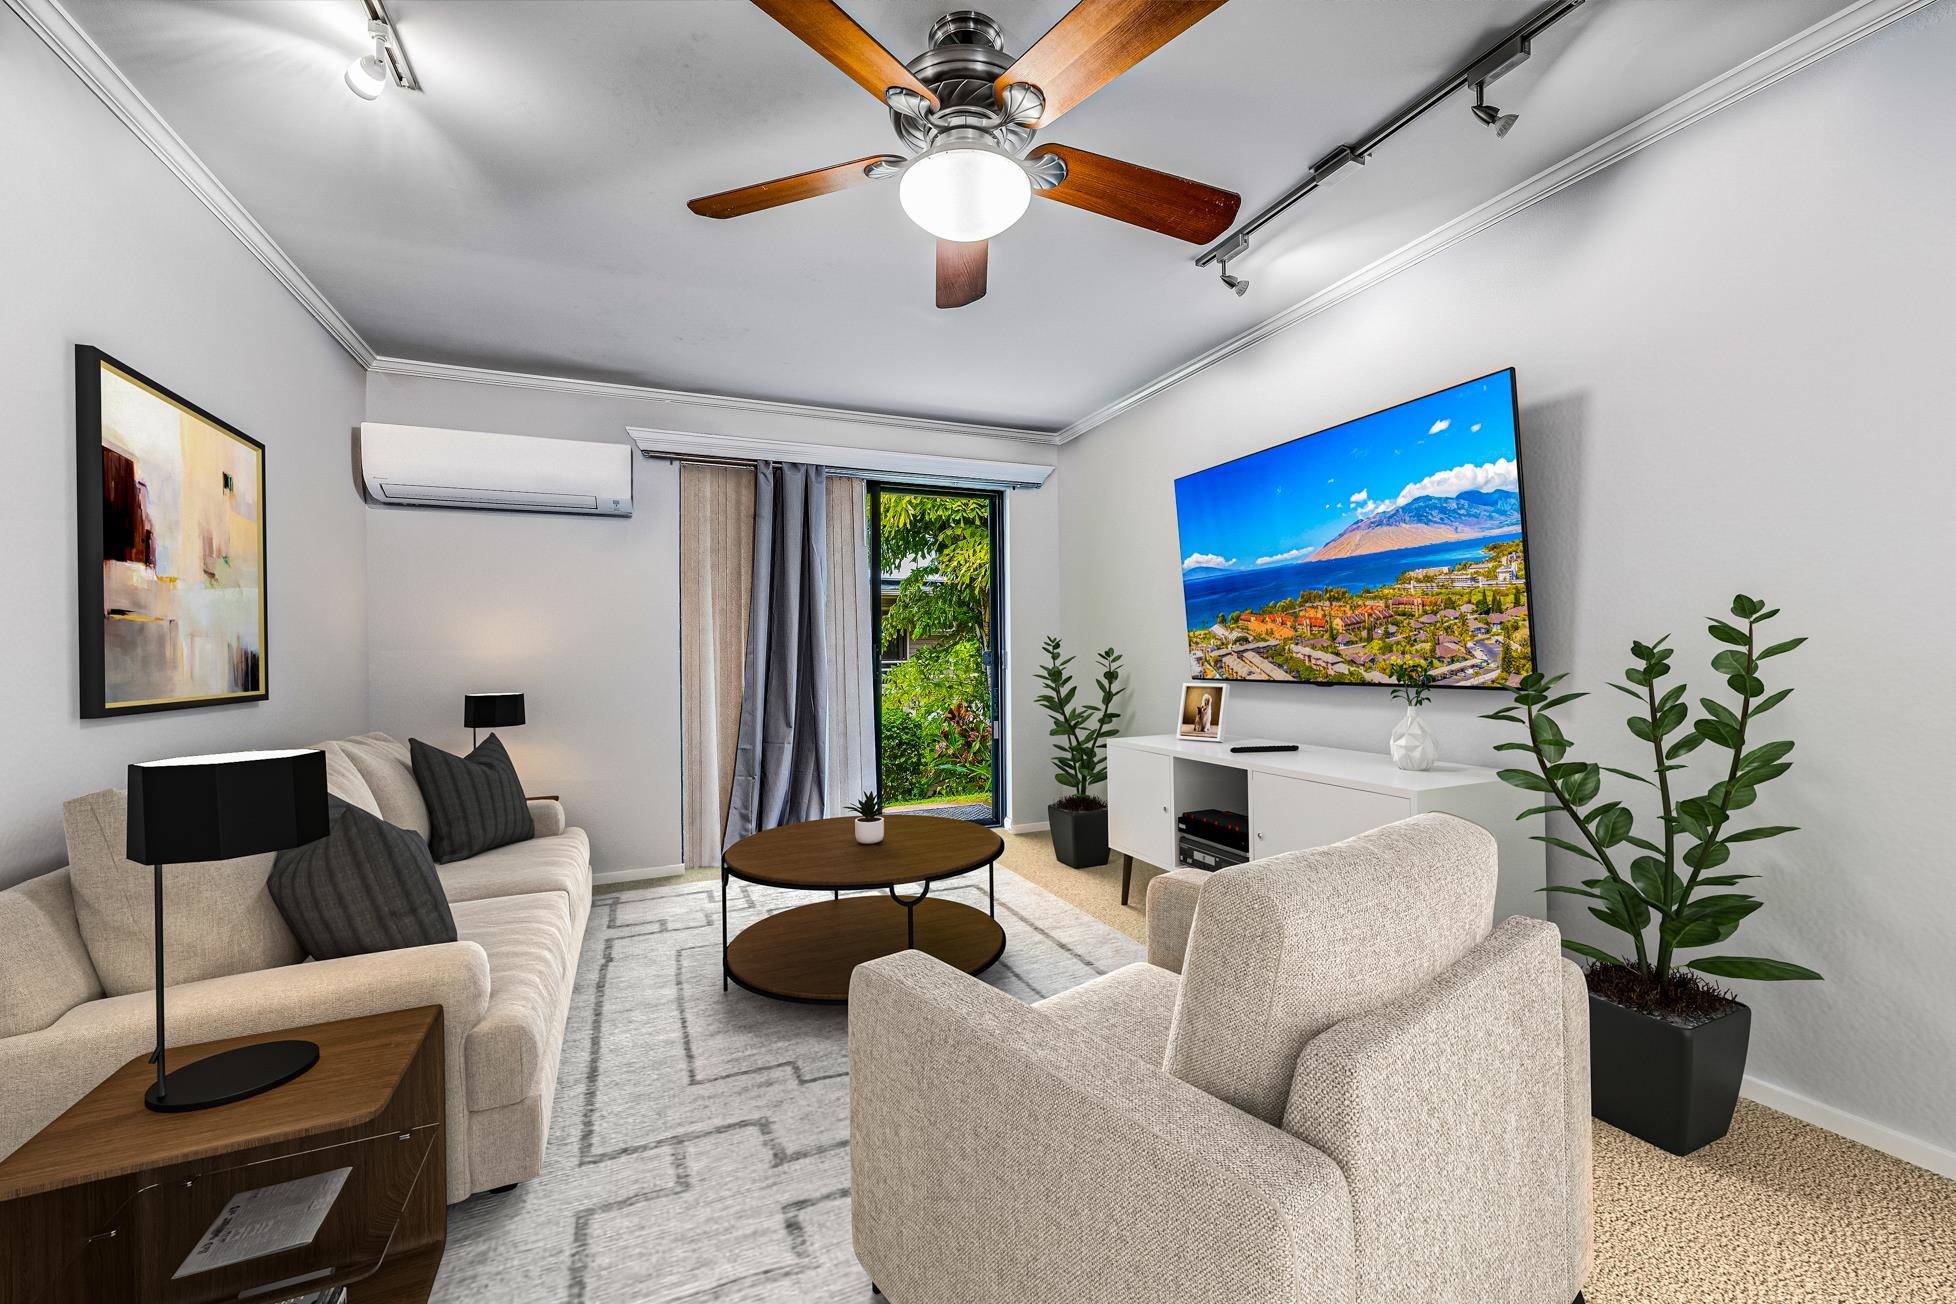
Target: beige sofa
[1335,1084]
[73,943]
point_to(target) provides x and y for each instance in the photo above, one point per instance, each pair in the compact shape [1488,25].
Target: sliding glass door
[934,559]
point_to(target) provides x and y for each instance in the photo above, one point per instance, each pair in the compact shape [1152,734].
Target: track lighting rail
[1496,60]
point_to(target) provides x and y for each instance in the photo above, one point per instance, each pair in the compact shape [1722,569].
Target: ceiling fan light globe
[365,77]
[966,193]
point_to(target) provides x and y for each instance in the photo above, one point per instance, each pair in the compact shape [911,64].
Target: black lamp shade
[221,807]
[491,710]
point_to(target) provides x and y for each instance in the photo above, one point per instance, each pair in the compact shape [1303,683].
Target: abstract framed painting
[171,547]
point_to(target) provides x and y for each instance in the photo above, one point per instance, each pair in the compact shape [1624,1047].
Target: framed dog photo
[1201,718]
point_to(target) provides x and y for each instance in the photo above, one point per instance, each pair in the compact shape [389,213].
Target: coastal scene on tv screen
[1381,549]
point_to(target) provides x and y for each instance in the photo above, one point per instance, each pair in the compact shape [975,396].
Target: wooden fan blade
[837,37]
[1097,41]
[961,272]
[1128,192]
[786,190]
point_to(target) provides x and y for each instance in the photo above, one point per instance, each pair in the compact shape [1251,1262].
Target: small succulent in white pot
[869,818]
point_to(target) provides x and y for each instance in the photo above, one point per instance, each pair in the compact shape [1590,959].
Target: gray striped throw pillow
[474,802]
[366,886]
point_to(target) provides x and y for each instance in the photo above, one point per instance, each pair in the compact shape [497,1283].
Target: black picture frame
[90,364]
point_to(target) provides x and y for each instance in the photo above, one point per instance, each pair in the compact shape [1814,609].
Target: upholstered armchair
[1335,1083]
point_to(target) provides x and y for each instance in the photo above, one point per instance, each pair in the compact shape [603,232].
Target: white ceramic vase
[870,832]
[1412,743]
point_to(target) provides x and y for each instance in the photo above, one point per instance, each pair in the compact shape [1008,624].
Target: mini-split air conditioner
[421,466]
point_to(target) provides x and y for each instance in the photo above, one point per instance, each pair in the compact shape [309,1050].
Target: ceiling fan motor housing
[962,66]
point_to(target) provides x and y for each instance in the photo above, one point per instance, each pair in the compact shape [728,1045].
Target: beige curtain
[852,692]
[716,571]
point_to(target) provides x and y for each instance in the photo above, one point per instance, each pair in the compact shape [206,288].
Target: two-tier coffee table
[808,953]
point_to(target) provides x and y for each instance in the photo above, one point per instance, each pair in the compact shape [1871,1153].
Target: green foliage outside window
[937,708]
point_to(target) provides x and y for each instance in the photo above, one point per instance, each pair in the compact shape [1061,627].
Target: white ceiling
[527,212]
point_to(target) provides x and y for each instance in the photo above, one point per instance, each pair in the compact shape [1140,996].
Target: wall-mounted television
[1383,546]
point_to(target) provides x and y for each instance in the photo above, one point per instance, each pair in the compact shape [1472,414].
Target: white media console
[1308,798]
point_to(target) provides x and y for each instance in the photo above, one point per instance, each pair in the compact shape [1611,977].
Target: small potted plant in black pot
[1079,819]
[1667,1045]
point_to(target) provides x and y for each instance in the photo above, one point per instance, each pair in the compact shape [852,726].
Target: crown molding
[54,25]
[652,394]
[1796,52]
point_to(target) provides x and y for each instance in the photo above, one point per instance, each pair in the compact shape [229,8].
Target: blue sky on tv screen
[1274,507]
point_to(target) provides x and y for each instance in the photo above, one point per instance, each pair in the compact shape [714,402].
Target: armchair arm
[547,814]
[1171,913]
[999,1156]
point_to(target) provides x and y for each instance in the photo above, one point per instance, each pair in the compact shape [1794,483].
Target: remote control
[1265,747]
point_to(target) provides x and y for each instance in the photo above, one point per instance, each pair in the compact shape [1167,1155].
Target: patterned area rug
[699,1140]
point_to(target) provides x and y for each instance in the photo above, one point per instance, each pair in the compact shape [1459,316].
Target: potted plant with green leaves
[869,818]
[1412,742]
[1079,819]
[1667,1044]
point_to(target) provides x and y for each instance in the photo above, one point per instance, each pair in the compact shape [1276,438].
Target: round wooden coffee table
[808,953]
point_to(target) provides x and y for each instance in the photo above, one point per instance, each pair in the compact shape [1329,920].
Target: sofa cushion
[1130,1008]
[529,942]
[475,802]
[115,911]
[554,864]
[1283,948]
[383,763]
[366,886]
[343,779]
[44,965]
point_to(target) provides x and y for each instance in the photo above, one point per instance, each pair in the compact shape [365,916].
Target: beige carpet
[1779,1212]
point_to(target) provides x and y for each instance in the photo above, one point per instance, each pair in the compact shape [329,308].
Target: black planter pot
[1079,836]
[1672,1086]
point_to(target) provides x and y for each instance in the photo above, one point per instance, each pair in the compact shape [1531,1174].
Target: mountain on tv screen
[1384,547]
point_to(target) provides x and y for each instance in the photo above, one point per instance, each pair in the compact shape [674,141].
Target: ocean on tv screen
[1367,552]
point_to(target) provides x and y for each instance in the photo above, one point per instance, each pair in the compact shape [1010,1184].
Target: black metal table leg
[910,915]
[991,891]
[723,926]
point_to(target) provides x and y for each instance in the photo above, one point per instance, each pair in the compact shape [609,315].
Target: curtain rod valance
[930,467]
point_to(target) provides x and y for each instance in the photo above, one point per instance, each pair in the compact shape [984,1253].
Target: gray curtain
[780,765]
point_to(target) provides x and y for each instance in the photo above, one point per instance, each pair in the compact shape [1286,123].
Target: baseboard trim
[1909,1149]
[607,877]
[1027,826]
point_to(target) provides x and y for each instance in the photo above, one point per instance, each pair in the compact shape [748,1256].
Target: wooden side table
[107,1201]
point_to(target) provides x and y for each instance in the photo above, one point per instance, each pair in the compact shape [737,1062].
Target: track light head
[367,75]
[1490,115]
[1235,247]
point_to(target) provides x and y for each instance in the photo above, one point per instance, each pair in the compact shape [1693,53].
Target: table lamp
[490,711]
[201,808]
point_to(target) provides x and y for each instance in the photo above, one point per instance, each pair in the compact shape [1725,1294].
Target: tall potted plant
[1667,1045]
[1079,819]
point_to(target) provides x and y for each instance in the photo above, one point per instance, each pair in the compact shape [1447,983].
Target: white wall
[581,614]
[102,245]
[1734,354]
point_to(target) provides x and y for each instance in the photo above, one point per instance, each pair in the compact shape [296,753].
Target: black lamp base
[232,1075]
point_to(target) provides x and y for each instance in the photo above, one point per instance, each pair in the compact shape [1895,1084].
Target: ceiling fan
[967,112]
